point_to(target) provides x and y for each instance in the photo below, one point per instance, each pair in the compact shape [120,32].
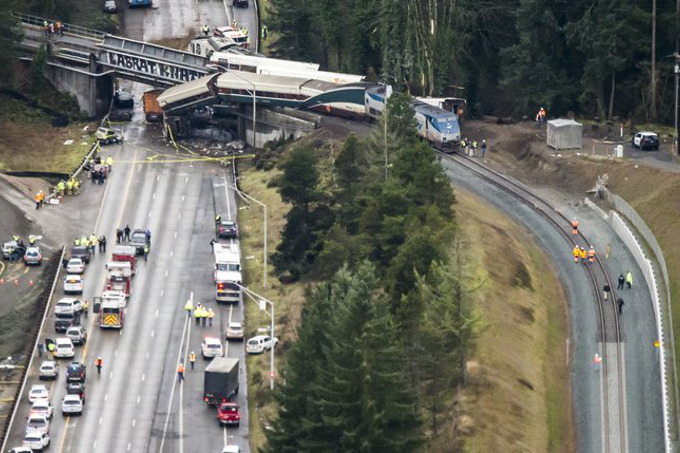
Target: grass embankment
[517,396]
[521,345]
[29,142]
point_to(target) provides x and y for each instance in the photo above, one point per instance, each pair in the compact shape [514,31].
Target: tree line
[381,345]
[602,58]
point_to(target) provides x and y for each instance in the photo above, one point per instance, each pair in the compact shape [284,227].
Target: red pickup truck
[228,414]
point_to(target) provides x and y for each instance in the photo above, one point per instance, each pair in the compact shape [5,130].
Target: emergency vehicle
[232,33]
[227,272]
[119,277]
[111,309]
[125,253]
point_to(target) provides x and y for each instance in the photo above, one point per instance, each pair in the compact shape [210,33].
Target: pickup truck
[220,381]
[138,240]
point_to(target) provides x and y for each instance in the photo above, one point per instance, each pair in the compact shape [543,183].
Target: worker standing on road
[212,243]
[86,308]
[146,252]
[483,148]
[577,253]
[93,242]
[218,218]
[119,235]
[591,255]
[265,33]
[584,256]
[622,280]
[204,315]
[197,314]
[102,244]
[76,242]
[51,348]
[69,187]
[205,29]
[60,188]
[147,233]
[126,232]
[192,359]
[180,372]
[597,362]
[98,363]
[109,163]
[189,308]
[620,303]
[574,227]
[629,279]
[606,289]
[211,315]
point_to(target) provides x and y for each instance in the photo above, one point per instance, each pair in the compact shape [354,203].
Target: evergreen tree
[11,35]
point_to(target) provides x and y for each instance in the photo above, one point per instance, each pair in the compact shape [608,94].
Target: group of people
[99,169]
[53,28]
[70,187]
[92,242]
[123,235]
[469,147]
[202,314]
[583,255]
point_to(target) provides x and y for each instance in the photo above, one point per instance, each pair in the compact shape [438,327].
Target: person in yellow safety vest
[69,187]
[15,238]
[197,315]
[189,307]
[31,240]
[574,227]
[60,188]
[76,186]
[577,253]
[83,241]
[473,151]
[584,255]
[211,315]
[51,348]
[192,359]
[109,162]
[591,254]
[205,29]
[76,242]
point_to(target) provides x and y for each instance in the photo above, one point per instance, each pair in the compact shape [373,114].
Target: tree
[356,395]
[300,178]
[38,66]
[11,35]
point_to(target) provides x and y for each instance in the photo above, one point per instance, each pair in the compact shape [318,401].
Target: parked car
[227,229]
[41,407]
[38,423]
[231,449]
[68,305]
[73,284]
[64,348]
[75,266]
[33,257]
[646,140]
[62,321]
[77,334]
[75,372]
[71,405]
[36,441]
[38,392]
[211,347]
[235,331]
[110,7]
[49,370]
[260,343]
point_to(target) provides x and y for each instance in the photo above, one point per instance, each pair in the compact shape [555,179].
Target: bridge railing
[70,28]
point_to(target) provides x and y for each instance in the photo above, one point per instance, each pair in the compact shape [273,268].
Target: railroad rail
[614,419]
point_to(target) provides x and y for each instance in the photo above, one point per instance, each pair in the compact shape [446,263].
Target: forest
[596,58]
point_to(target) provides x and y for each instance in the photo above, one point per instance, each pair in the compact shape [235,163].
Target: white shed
[565,134]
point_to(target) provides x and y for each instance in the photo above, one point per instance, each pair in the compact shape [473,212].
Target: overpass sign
[151,68]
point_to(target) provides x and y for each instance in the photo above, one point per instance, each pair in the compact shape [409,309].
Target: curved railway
[614,420]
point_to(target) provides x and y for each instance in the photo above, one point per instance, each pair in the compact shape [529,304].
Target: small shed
[565,134]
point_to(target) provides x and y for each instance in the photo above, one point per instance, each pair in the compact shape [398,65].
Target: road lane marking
[158,178]
[172,252]
[139,398]
[166,273]
[94,445]
[129,446]
[185,328]
[153,195]
[226,195]
[100,420]
[162,292]
[224,430]
[226,346]
[115,353]
[134,422]
[143,377]
[183,196]
[106,396]
[153,332]
[186,180]
[175,234]
[63,434]
[157,308]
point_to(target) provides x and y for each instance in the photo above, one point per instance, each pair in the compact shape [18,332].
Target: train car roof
[246,80]
[427,109]
[185,90]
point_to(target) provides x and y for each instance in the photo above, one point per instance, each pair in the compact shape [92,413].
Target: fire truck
[111,309]
[119,277]
[126,253]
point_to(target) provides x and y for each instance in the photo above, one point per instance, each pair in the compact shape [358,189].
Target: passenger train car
[361,100]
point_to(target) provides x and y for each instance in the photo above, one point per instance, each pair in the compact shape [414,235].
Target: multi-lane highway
[136,404]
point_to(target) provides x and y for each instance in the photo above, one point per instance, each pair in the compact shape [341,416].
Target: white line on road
[157,309]
[106,397]
[183,196]
[100,420]
[153,332]
[139,398]
[153,196]
[115,353]
[226,346]
[225,436]
[175,234]
[134,422]
[172,252]
[143,377]
[94,445]
[166,273]
[162,292]
[120,333]
[187,327]
[158,178]
[186,180]
[129,446]
[226,194]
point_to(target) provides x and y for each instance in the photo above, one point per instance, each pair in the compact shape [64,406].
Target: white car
[42,408]
[72,404]
[38,423]
[64,348]
[231,449]
[33,256]
[235,331]
[260,343]
[211,347]
[68,305]
[75,266]
[73,284]
[38,392]
[36,441]
[49,370]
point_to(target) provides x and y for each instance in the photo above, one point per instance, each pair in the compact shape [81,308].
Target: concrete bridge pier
[93,91]
[274,124]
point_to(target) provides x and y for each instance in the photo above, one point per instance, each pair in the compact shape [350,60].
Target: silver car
[72,405]
[49,370]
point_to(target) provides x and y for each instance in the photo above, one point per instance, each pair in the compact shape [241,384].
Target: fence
[69,28]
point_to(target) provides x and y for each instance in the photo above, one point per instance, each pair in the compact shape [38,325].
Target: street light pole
[264,207]
[262,301]
[254,93]
[677,74]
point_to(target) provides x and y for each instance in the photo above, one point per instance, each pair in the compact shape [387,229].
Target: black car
[79,251]
[75,372]
[76,388]
[138,240]
[62,321]
[227,229]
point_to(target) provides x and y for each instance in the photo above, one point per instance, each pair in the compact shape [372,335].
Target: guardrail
[34,344]
[71,29]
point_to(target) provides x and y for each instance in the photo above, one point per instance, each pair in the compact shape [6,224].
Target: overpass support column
[93,93]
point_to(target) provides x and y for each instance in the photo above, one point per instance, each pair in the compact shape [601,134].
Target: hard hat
[483,141]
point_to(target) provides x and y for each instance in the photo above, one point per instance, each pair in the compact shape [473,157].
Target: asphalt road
[643,385]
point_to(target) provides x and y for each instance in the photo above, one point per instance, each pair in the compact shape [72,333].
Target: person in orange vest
[577,253]
[540,117]
[591,255]
[584,255]
[98,363]
[180,372]
[574,227]
[192,359]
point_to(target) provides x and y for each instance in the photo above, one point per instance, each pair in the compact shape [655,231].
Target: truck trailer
[220,381]
[152,109]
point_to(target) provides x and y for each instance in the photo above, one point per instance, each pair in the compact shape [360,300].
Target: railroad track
[614,419]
